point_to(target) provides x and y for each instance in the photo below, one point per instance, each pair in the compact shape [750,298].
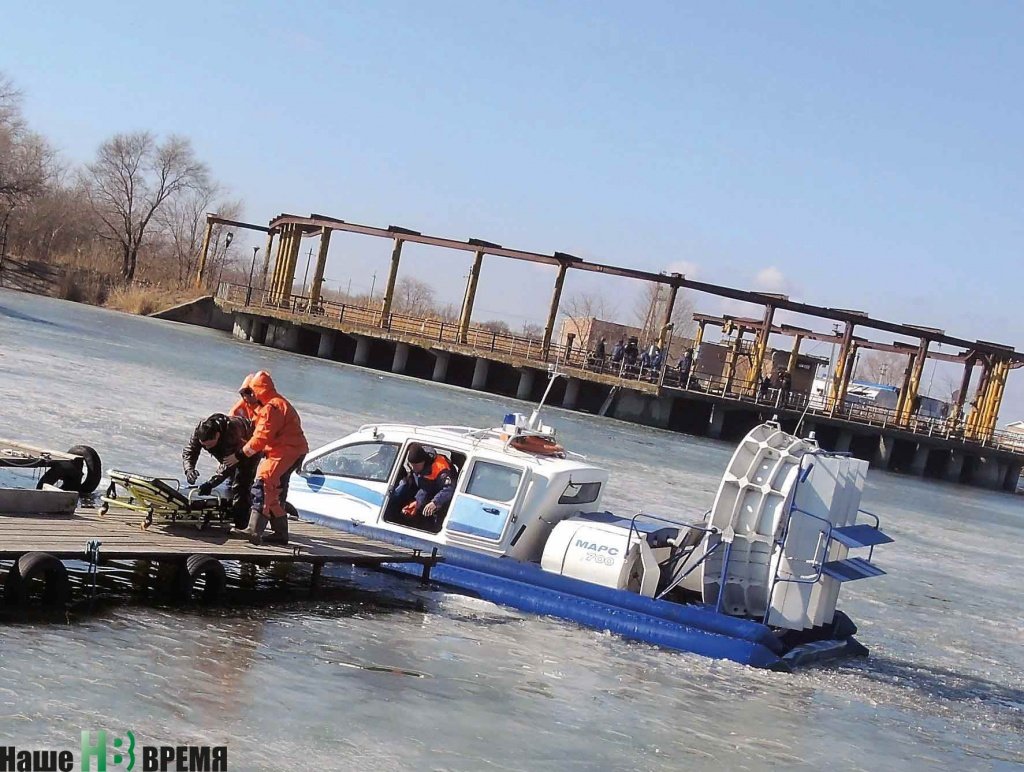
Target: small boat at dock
[755,581]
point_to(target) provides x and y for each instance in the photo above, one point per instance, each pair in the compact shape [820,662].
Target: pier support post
[1012,478]
[470,297]
[242,328]
[204,252]
[920,462]
[283,336]
[844,441]
[362,355]
[572,394]
[556,297]
[326,346]
[266,259]
[321,265]
[389,292]
[883,456]
[989,472]
[401,358]
[717,422]
[441,360]
[480,369]
[525,389]
[954,466]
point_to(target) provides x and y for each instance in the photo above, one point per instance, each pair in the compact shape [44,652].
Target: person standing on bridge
[278,435]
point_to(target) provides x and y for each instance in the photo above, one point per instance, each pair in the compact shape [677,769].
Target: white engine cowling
[601,553]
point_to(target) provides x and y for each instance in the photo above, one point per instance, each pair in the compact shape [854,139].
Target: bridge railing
[483,339]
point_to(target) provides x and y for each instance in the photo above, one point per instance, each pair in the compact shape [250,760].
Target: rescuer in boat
[223,436]
[430,486]
[278,435]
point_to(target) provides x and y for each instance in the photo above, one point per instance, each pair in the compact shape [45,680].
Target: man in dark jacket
[430,486]
[223,436]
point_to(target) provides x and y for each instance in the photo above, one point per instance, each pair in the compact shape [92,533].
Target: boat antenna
[553,375]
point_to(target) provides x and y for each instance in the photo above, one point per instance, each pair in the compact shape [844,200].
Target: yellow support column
[204,253]
[908,399]
[389,291]
[466,313]
[321,265]
[841,362]
[794,354]
[761,346]
[847,373]
[280,263]
[977,404]
[730,362]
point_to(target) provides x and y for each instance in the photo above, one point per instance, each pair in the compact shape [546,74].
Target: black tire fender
[93,468]
[37,566]
[210,570]
[68,477]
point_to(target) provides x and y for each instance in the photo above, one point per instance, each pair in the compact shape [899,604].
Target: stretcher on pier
[163,501]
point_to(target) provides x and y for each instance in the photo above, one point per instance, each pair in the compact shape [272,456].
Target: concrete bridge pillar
[883,456]
[1012,477]
[717,422]
[844,441]
[285,336]
[954,466]
[326,347]
[441,360]
[401,358]
[480,373]
[990,472]
[920,460]
[242,328]
[572,394]
[362,355]
[525,389]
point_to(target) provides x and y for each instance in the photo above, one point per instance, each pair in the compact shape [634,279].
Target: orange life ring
[540,446]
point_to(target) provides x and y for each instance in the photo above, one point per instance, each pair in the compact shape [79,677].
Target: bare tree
[533,330]
[26,159]
[413,297]
[885,367]
[649,312]
[182,222]
[132,178]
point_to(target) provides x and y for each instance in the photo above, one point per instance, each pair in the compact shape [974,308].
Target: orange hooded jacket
[278,430]
[242,408]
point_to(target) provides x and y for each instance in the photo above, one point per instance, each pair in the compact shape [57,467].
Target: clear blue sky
[858,155]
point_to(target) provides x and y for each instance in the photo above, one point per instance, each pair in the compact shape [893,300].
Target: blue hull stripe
[317,483]
[530,588]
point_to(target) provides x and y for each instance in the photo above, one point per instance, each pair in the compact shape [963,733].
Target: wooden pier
[39,545]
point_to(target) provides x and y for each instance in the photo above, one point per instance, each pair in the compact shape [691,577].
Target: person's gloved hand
[205,489]
[409,510]
[191,475]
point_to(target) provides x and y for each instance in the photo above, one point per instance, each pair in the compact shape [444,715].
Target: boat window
[580,493]
[365,461]
[494,482]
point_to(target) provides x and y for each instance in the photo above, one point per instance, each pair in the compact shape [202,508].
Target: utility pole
[373,283]
[305,276]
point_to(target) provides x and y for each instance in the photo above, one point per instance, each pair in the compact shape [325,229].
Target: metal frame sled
[164,504]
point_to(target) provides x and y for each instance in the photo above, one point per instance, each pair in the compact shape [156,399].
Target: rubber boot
[254,531]
[280,530]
